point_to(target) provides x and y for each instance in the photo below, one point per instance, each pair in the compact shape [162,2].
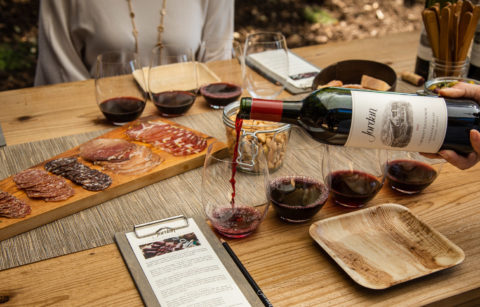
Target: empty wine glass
[265,50]
[234,202]
[118,96]
[172,79]
[227,55]
[354,175]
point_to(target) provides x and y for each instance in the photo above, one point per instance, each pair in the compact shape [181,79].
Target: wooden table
[286,263]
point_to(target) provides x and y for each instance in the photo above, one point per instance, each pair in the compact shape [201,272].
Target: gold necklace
[160,27]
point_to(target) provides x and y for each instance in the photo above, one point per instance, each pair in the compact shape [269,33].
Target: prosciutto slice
[141,160]
[174,140]
[106,150]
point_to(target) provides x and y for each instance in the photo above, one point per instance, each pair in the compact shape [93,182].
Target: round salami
[12,207]
[78,173]
[38,183]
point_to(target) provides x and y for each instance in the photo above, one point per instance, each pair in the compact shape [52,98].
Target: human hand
[463,90]
[464,162]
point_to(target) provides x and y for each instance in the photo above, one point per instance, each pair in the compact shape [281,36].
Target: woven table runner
[96,226]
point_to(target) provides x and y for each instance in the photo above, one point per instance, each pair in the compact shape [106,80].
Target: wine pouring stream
[235,201]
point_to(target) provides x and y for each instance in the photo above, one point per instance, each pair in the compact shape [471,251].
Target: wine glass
[354,175]
[410,173]
[118,96]
[235,202]
[265,50]
[296,189]
[172,79]
[227,55]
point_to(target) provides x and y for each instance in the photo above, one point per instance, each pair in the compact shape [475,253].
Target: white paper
[271,62]
[187,271]
[398,122]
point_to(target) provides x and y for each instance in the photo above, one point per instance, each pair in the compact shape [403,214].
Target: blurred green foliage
[19,57]
[317,15]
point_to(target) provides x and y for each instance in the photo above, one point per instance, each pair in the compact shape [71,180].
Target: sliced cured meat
[78,173]
[142,159]
[12,207]
[37,183]
[106,150]
[174,140]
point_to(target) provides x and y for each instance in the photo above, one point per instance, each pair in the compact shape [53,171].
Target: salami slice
[12,207]
[174,140]
[80,174]
[37,183]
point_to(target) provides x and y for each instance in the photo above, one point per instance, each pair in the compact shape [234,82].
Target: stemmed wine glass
[118,96]
[235,202]
[262,50]
[227,55]
[354,175]
[172,79]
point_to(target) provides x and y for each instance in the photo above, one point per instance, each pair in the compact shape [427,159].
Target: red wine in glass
[353,188]
[120,110]
[173,103]
[236,222]
[297,198]
[220,94]
[409,176]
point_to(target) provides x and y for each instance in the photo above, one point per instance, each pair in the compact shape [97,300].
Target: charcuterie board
[43,212]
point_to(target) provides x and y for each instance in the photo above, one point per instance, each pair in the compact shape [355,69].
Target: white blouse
[73,32]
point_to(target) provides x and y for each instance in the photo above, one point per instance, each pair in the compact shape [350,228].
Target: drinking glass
[441,68]
[118,96]
[410,172]
[234,202]
[354,175]
[265,49]
[172,79]
[227,55]
[296,189]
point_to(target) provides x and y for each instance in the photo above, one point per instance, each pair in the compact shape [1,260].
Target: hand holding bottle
[463,90]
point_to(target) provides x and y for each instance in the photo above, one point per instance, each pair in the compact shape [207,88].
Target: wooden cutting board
[45,212]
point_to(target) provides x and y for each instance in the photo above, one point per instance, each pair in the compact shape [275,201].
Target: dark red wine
[353,188]
[236,222]
[122,109]
[220,94]
[238,129]
[410,176]
[297,198]
[173,103]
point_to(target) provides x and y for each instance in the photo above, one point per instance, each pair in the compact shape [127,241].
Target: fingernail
[475,135]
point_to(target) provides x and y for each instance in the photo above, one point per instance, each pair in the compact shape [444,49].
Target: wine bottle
[370,119]
[474,70]
[424,55]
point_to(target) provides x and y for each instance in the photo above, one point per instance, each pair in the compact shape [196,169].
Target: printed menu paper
[299,77]
[182,268]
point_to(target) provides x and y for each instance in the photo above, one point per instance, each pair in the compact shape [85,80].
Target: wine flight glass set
[173,78]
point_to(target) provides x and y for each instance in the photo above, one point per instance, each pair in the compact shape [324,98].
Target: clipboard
[140,279]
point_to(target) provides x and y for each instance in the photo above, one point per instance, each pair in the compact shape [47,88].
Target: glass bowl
[271,136]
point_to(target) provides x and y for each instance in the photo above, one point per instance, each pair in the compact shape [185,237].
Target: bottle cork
[412,78]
